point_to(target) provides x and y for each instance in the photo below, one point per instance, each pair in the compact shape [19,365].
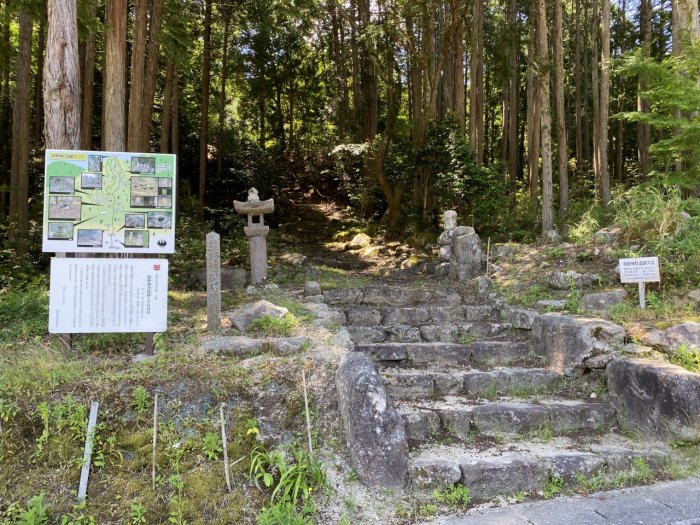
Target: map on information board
[107,202]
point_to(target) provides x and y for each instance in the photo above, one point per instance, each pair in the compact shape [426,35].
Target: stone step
[421,315]
[392,296]
[442,333]
[449,354]
[528,467]
[465,420]
[415,383]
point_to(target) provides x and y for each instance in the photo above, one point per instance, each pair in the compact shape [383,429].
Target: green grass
[270,326]
[688,358]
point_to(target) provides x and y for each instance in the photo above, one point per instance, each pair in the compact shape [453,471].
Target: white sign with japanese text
[640,270]
[108,295]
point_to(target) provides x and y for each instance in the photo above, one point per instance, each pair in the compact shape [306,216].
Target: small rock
[445,253]
[551,236]
[449,220]
[442,270]
[410,263]
[462,230]
[683,222]
[552,304]
[483,284]
[242,317]
[565,280]
[610,236]
[296,260]
[312,288]
[501,250]
[445,238]
[342,339]
[359,241]
[544,265]
[142,358]
[603,301]
[694,295]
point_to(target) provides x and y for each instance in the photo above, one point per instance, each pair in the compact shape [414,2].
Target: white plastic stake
[87,455]
[225,447]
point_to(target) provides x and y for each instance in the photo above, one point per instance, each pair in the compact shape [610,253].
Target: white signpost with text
[640,270]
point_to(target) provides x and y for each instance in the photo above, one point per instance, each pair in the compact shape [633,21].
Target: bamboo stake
[87,455]
[306,407]
[155,438]
[225,446]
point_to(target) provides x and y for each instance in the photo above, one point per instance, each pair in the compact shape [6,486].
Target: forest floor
[45,389]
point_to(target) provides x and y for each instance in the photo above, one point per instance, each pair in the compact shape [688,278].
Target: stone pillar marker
[213,282]
[256,231]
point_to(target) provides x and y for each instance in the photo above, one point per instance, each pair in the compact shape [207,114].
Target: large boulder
[567,341]
[467,258]
[657,398]
[243,317]
[603,301]
[565,280]
[684,334]
[374,430]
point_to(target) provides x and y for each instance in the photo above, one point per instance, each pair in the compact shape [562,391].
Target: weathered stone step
[414,383]
[392,296]
[528,467]
[462,420]
[441,354]
[417,316]
[442,333]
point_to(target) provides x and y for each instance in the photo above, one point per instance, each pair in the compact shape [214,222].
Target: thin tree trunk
[149,87]
[458,66]
[562,148]
[138,67]
[19,179]
[604,104]
[513,87]
[5,114]
[586,159]
[476,82]
[88,81]
[577,81]
[175,110]
[222,99]
[533,118]
[546,117]
[619,140]
[204,117]
[166,121]
[38,79]
[595,92]
[643,129]
[114,114]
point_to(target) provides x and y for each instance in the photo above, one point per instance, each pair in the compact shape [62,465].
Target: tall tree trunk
[458,66]
[138,67]
[533,116]
[578,87]
[586,158]
[595,91]
[604,104]
[513,88]
[5,113]
[476,82]
[37,133]
[88,80]
[546,116]
[19,180]
[643,106]
[204,117]
[222,99]
[113,112]
[175,110]
[149,87]
[562,148]
[619,139]
[166,121]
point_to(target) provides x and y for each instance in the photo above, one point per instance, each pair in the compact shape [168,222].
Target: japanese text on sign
[640,270]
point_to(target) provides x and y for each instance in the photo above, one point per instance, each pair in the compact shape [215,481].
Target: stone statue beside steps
[256,231]
[460,256]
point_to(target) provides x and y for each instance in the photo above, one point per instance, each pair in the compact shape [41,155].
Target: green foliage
[688,358]
[457,496]
[77,516]
[36,513]
[212,445]
[286,513]
[8,409]
[24,311]
[554,486]
[270,326]
[142,399]
[137,514]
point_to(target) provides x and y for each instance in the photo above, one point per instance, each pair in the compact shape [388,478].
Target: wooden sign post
[640,270]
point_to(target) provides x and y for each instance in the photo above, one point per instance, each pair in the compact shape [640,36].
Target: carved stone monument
[459,256]
[213,282]
[256,231]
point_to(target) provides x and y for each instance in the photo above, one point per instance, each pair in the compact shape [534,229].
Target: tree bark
[5,113]
[38,88]
[577,82]
[204,117]
[222,98]
[533,117]
[166,121]
[458,66]
[114,114]
[513,87]
[149,87]
[19,179]
[546,116]
[595,91]
[88,81]
[562,148]
[604,105]
[476,81]
[138,68]
[643,106]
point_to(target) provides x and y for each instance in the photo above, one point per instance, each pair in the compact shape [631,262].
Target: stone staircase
[479,406]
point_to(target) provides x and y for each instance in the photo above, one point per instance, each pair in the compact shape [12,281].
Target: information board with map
[107,202]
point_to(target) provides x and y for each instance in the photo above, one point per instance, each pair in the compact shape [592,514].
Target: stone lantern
[256,231]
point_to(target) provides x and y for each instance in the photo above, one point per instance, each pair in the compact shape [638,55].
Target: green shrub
[688,358]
